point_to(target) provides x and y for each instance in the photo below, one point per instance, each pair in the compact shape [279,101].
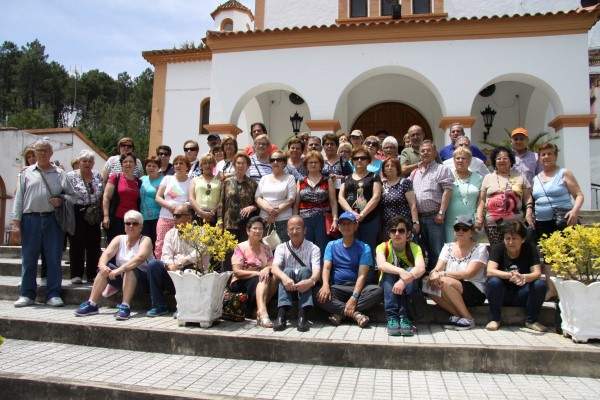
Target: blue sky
[109,35]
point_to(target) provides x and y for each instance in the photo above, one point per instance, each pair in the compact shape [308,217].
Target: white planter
[579,309]
[199,297]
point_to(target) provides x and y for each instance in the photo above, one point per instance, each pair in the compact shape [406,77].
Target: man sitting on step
[348,271]
[297,265]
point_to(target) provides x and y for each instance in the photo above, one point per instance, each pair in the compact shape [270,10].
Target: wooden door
[395,118]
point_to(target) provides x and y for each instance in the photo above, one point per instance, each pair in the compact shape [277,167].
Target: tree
[32,71]
[9,58]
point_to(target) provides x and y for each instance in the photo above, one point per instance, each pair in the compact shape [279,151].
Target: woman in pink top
[251,262]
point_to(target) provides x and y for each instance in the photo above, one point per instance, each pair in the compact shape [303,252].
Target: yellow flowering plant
[208,239]
[574,253]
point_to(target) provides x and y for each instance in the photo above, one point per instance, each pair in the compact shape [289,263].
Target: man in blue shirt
[347,262]
[456,131]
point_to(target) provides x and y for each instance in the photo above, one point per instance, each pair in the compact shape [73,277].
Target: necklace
[505,191]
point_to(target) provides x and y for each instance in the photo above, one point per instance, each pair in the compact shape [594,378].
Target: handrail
[595,196]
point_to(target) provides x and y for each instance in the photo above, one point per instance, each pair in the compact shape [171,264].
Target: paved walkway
[273,380]
[512,336]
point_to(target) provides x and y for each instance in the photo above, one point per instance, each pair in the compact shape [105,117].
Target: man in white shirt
[297,265]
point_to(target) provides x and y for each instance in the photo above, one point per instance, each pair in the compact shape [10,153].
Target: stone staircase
[512,350]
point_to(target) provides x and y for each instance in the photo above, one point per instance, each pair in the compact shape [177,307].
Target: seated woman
[131,252]
[251,264]
[402,264]
[514,273]
[460,275]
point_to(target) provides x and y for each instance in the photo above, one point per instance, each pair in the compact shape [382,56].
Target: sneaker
[85,309]
[406,327]
[55,302]
[464,324]
[124,312]
[451,322]
[76,281]
[23,301]
[157,311]
[493,326]
[393,327]
[535,326]
[109,290]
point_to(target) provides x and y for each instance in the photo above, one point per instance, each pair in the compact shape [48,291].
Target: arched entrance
[393,117]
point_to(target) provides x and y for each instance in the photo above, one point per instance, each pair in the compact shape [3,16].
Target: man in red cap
[526,161]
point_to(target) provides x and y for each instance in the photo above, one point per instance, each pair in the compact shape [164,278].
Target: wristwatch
[355,295]
[441,213]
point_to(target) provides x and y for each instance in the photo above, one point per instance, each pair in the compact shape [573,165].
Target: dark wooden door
[395,118]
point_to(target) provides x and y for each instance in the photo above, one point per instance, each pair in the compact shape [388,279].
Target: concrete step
[510,350]
[15,252]
[589,217]
[60,371]
[12,267]
[77,294]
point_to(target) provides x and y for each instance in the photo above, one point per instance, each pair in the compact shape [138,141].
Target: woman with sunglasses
[372,145]
[113,164]
[360,194]
[190,151]
[251,263]
[459,275]
[276,194]
[402,264]
[131,252]
[173,191]
[205,191]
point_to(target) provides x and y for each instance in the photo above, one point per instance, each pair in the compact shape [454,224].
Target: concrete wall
[241,20]
[186,86]
[288,13]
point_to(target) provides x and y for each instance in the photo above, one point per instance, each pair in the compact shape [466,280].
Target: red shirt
[250,149]
[129,192]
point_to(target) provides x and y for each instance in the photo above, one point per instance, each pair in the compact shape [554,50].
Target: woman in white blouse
[459,275]
[276,194]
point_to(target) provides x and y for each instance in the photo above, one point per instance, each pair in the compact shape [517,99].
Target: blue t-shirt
[447,152]
[148,205]
[346,260]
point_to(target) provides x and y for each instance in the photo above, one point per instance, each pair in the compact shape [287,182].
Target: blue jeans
[159,281]
[431,239]
[285,298]
[396,306]
[315,231]
[368,232]
[41,235]
[502,292]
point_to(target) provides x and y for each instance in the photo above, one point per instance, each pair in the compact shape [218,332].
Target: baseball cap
[356,132]
[519,131]
[348,216]
[464,220]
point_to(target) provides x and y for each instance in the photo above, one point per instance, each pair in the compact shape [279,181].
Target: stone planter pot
[579,309]
[199,297]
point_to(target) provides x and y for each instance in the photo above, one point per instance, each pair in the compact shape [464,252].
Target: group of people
[359,220]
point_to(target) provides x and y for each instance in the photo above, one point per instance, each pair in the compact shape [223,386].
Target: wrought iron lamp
[296,121]
[488,115]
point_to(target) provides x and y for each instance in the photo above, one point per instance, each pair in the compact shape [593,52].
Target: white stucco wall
[478,8]
[288,13]
[241,20]
[187,85]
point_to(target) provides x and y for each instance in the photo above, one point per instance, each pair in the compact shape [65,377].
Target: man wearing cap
[356,138]
[256,129]
[410,157]
[457,131]
[347,272]
[526,162]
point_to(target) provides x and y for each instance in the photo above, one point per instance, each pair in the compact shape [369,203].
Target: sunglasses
[186,149]
[397,231]
[208,189]
[371,144]
[360,158]
[461,228]
[163,154]
[132,223]
[279,159]
[180,215]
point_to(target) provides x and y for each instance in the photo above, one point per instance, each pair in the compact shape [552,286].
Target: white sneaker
[76,280]
[55,302]
[23,301]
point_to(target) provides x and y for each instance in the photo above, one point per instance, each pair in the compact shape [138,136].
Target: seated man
[346,289]
[297,264]
[131,252]
[176,254]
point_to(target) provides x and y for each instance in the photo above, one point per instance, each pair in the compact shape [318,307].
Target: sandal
[361,319]
[264,321]
[335,319]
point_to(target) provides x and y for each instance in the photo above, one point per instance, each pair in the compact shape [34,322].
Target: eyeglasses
[186,149]
[180,215]
[129,146]
[278,159]
[461,228]
[397,231]
[360,158]
[130,223]
[163,154]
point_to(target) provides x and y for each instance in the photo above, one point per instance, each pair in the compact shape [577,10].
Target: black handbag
[93,213]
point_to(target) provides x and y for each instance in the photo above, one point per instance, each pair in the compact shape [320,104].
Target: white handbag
[272,239]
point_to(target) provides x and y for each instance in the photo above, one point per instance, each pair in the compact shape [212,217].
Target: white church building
[373,65]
